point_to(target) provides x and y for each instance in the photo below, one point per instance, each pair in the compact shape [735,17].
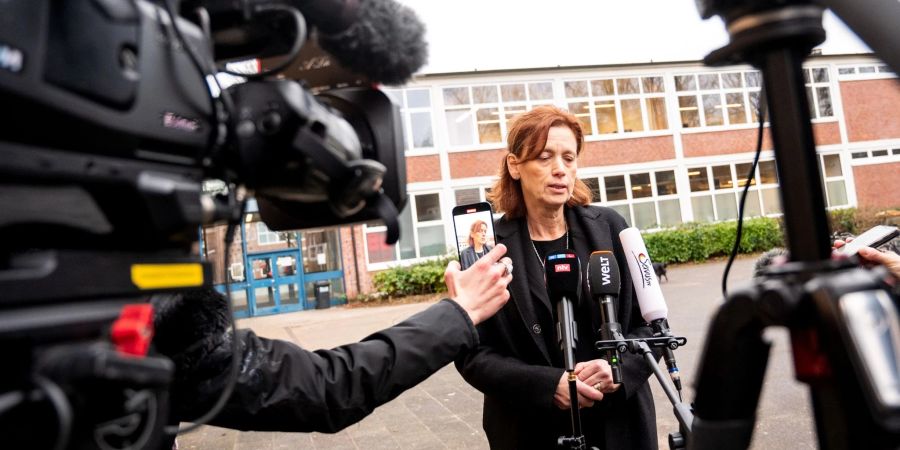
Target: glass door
[263,294]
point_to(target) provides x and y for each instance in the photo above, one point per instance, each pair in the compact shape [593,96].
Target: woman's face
[549,180]
[479,235]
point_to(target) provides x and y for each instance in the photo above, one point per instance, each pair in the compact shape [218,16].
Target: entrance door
[287,281]
[263,291]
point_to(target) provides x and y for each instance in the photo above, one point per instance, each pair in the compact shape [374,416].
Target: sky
[469,35]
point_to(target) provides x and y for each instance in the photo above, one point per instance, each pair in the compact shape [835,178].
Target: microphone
[650,297]
[385,41]
[562,271]
[604,283]
[382,40]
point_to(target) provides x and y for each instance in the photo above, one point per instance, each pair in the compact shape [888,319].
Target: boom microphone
[650,297]
[604,283]
[385,42]
[563,274]
[379,39]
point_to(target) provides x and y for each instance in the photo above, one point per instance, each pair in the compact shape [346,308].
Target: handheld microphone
[604,283]
[650,297]
[563,274]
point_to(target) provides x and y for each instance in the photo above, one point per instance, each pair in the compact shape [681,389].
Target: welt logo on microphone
[646,268]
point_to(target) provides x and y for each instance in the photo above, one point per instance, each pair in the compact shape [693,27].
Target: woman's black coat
[512,364]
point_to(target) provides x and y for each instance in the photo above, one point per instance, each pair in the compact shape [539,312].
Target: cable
[299,22]
[62,408]
[235,347]
[761,112]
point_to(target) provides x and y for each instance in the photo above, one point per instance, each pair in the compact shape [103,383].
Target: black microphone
[563,273]
[604,283]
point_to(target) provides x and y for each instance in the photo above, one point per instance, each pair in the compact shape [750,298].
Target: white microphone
[650,297]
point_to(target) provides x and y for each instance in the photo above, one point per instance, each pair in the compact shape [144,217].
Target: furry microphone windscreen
[386,43]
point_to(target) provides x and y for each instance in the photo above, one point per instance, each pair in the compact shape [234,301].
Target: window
[818,90]
[618,105]
[647,200]
[875,153]
[716,191]
[267,236]
[833,178]
[421,232]
[717,99]
[415,108]
[864,72]
[483,114]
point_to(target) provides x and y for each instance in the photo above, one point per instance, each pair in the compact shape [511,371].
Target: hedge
[422,278]
[698,242]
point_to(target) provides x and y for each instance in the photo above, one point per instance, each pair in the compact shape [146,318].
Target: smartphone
[873,237]
[473,225]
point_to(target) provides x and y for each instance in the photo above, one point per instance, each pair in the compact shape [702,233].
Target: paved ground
[445,412]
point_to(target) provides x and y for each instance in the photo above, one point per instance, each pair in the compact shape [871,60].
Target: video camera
[112,118]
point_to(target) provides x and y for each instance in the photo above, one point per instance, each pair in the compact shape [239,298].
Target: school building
[665,144]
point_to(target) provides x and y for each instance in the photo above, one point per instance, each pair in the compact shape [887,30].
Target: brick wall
[871,109]
[878,186]
[478,163]
[624,151]
[423,168]
[352,266]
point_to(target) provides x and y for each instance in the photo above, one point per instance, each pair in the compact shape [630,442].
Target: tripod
[844,325]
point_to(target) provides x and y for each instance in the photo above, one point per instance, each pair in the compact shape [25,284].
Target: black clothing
[518,365]
[469,256]
[282,387]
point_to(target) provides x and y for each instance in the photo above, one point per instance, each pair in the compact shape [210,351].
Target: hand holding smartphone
[873,237]
[473,225]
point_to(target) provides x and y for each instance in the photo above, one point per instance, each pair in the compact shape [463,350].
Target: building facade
[665,144]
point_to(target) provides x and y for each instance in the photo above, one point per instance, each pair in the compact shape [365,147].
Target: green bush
[698,242]
[422,278]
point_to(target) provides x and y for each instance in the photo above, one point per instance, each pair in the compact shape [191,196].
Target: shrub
[422,278]
[698,242]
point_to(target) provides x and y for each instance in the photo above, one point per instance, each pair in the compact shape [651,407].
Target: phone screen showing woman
[474,229]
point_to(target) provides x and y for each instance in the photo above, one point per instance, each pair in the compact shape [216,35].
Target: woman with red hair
[518,364]
[477,244]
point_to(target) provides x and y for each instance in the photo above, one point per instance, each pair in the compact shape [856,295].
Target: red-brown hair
[476,224]
[526,140]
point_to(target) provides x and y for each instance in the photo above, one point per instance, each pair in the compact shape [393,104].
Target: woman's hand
[871,256]
[587,395]
[597,374]
[480,289]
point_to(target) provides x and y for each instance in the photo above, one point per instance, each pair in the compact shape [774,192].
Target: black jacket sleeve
[507,377]
[286,388]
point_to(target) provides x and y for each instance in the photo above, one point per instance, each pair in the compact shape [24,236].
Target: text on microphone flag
[562,268]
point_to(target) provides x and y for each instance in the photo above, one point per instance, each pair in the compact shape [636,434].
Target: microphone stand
[683,412]
[567,332]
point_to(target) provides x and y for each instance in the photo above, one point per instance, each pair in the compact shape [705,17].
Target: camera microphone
[604,283]
[384,40]
[563,274]
[650,296]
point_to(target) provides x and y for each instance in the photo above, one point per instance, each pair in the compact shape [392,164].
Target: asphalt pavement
[445,412]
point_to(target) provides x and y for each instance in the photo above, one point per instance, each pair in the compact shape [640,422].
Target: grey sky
[466,35]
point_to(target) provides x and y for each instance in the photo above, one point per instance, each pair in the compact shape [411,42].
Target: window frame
[416,226]
[697,94]
[593,100]
[501,106]
[630,200]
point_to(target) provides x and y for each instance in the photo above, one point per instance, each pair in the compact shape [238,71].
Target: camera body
[111,123]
